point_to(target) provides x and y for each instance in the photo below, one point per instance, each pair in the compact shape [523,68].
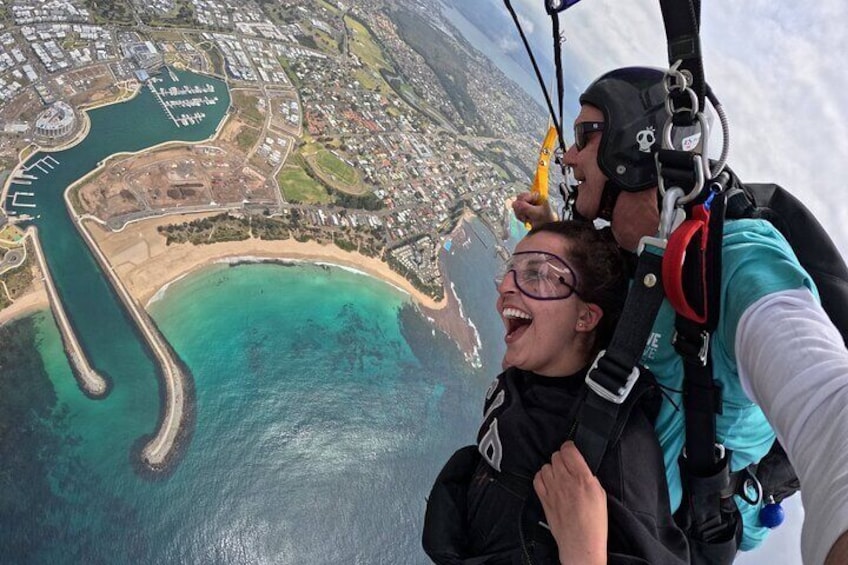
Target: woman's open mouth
[516,323]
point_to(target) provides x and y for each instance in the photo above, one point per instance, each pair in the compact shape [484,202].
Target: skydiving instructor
[782,364]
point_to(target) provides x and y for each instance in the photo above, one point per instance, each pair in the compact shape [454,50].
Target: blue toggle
[772,514]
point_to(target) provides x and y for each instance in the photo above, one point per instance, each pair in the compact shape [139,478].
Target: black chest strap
[615,372]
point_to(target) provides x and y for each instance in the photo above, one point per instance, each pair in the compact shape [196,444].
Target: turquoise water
[325,406]
[108,337]
[324,402]
[105,333]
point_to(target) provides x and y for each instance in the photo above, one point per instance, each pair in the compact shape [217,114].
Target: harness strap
[705,465]
[609,197]
[682,19]
[709,518]
[701,399]
[614,373]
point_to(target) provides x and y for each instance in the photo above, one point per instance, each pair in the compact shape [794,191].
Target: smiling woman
[559,295]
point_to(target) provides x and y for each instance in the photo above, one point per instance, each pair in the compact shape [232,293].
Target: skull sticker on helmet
[646,139]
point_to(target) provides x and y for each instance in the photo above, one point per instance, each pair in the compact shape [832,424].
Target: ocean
[325,403]
[325,406]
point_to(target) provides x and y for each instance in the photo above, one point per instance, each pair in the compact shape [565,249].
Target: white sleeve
[793,363]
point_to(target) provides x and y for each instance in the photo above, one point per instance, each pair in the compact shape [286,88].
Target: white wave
[349,269]
[160,294]
[458,301]
[356,271]
[473,358]
[287,261]
[256,259]
[476,333]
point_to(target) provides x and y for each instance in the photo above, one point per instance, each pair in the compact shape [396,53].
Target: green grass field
[330,7]
[335,167]
[364,47]
[247,138]
[167,36]
[325,42]
[367,79]
[11,233]
[297,186]
[246,104]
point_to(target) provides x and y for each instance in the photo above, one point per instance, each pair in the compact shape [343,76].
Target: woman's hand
[575,506]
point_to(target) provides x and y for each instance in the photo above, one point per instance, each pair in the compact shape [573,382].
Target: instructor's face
[584,164]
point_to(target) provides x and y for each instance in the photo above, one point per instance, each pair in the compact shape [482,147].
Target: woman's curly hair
[600,268]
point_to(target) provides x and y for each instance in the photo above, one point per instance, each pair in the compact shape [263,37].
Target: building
[56,121]
[144,55]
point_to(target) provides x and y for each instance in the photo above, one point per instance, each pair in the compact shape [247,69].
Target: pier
[157,452]
[91,382]
[162,103]
[22,204]
[198,99]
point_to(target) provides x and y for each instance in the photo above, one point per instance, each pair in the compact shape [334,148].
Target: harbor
[156,453]
[109,338]
[90,381]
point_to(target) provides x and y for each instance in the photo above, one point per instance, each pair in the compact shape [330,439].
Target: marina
[107,336]
[183,97]
[20,187]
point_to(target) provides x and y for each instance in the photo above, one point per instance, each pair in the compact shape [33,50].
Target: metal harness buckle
[617,397]
[704,347]
[720,451]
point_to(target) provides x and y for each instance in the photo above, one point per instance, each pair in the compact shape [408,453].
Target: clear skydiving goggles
[540,275]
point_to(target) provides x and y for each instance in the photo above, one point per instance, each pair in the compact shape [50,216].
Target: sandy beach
[31,302]
[145,264]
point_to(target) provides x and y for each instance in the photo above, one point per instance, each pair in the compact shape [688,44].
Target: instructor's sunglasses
[582,131]
[540,275]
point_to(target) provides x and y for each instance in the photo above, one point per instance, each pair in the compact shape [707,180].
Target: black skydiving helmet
[632,100]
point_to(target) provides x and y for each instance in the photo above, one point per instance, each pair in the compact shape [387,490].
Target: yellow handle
[540,182]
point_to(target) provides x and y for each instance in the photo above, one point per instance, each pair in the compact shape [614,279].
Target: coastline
[452,321]
[77,138]
[35,300]
[146,265]
[450,317]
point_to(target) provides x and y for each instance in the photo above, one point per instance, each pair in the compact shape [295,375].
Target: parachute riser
[677,86]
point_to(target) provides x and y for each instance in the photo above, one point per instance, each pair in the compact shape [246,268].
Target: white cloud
[509,45]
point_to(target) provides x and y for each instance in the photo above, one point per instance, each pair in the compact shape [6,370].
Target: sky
[778,69]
